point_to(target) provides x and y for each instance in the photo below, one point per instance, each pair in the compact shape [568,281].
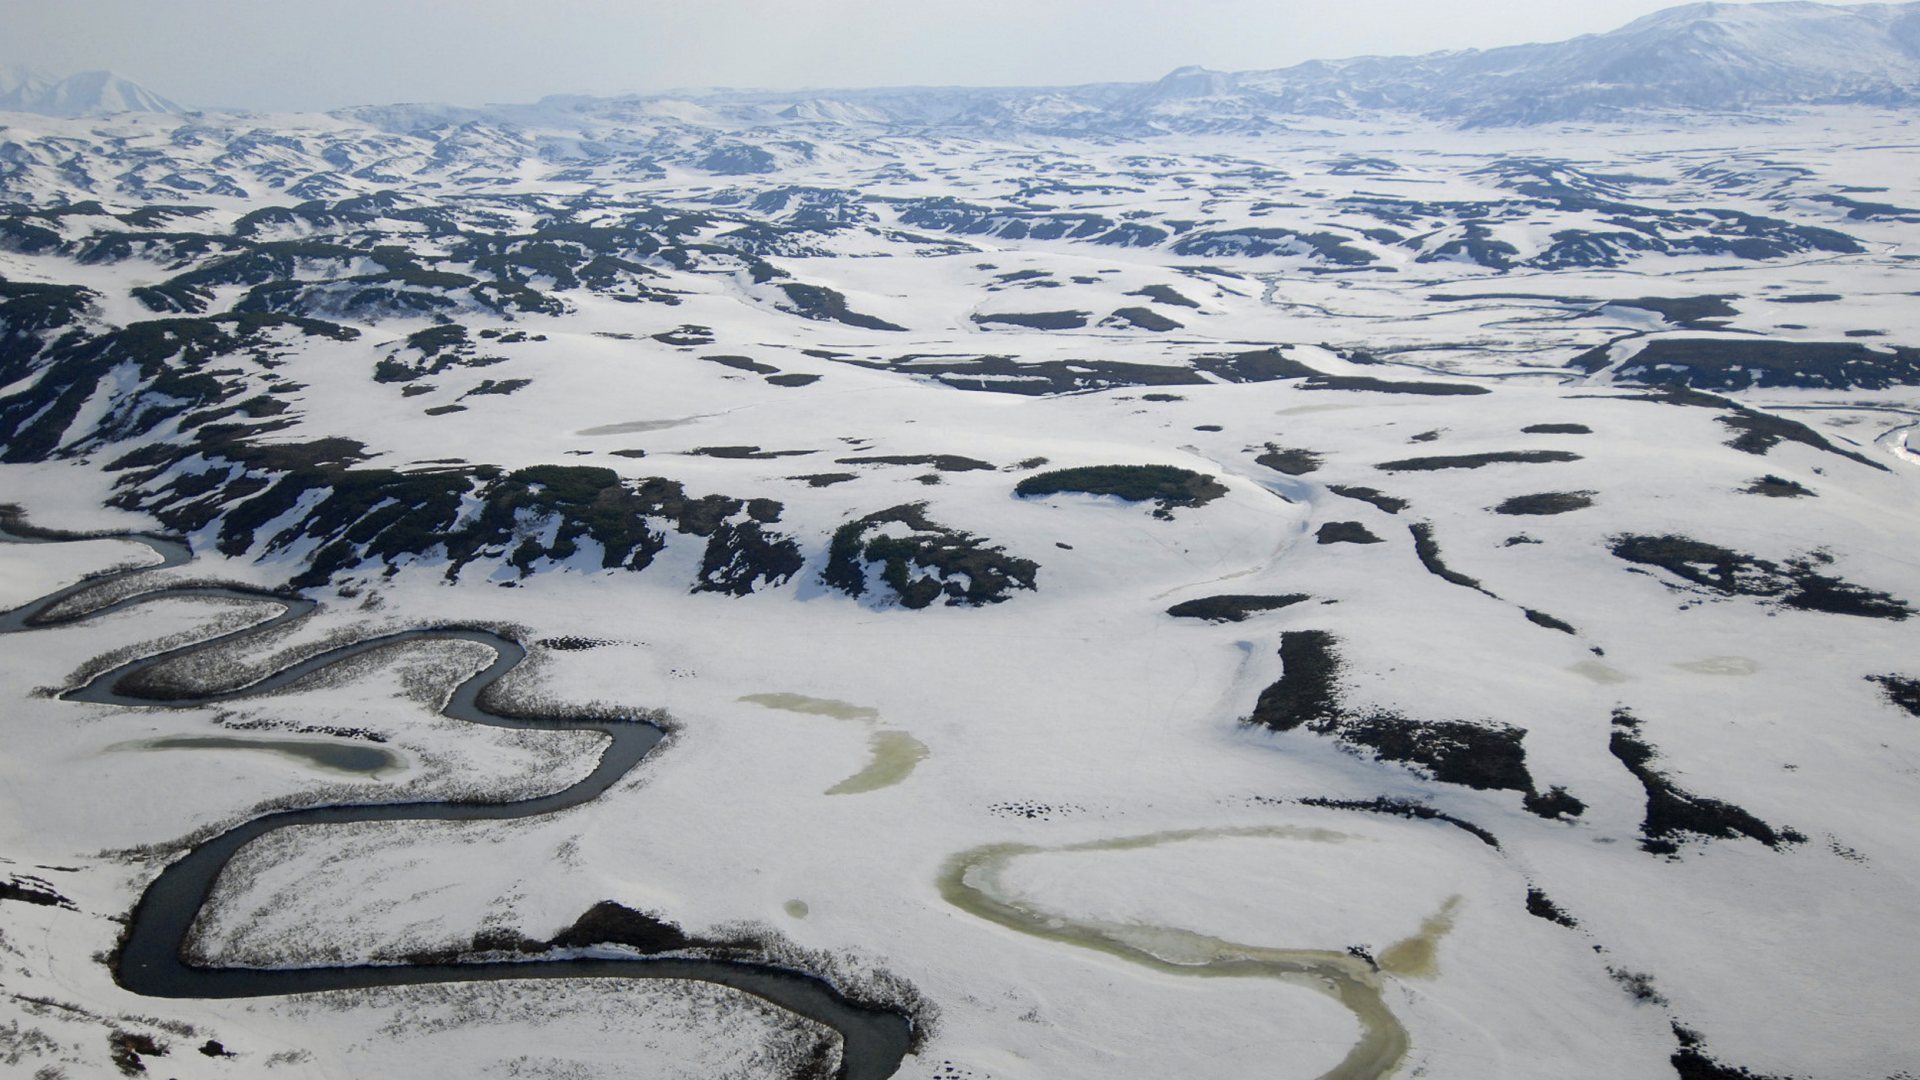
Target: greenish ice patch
[332,756]
[972,881]
[797,908]
[1720,665]
[1598,672]
[1419,955]
[813,706]
[895,753]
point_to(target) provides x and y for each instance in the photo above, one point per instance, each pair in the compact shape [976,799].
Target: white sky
[316,54]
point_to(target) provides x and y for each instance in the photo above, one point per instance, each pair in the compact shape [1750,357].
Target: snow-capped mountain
[1710,57]
[89,93]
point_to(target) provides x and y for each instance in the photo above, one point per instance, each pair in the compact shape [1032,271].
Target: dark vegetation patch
[1036,320]
[1798,583]
[430,352]
[1308,695]
[822,304]
[359,517]
[1691,1062]
[746,453]
[1475,461]
[1161,397]
[686,336]
[1727,364]
[179,383]
[32,890]
[1427,549]
[1391,386]
[821,480]
[1345,532]
[1776,487]
[1542,619]
[1005,375]
[1900,690]
[1758,432]
[930,562]
[1693,312]
[126,1048]
[1556,429]
[1167,486]
[1165,294]
[1425,436]
[1673,815]
[1254,242]
[1807,298]
[503,387]
[1141,318]
[942,462]
[1370,495]
[1401,808]
[1546,502]
[743,363]
[1293,461]
[1233,608]
[610,923]
[1542,907]
[792,379]
[573,643]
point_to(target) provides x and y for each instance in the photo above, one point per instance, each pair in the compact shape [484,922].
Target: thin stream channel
[874,1040]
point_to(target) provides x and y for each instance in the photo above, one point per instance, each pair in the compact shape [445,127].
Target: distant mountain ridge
[1703,57]
[89,93]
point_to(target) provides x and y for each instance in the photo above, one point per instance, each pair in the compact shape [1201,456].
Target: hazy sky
[283,54]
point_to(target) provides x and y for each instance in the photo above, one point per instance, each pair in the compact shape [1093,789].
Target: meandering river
[874,1040]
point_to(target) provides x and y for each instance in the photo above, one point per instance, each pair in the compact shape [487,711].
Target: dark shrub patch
[1475,461]
[1427,549]
[1454,752]
[1232,608]
[1555,802]
[1556,429]
[1674,814]
[1539,906]
[1798,583]
[1293,462]
[1166,485]
[1390,386]
[1036,320]
[1412,811]
[1141,318]
[1541,618]
[609,923]
[1546,502]
[743,363]
[1691,1062]
[827,305]
[932,562]
[1370,495]
[1776,487]
[792,379]
[1345,532]
[1901,691]
[942,462]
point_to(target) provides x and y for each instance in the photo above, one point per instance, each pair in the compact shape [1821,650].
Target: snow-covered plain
[1078,720]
